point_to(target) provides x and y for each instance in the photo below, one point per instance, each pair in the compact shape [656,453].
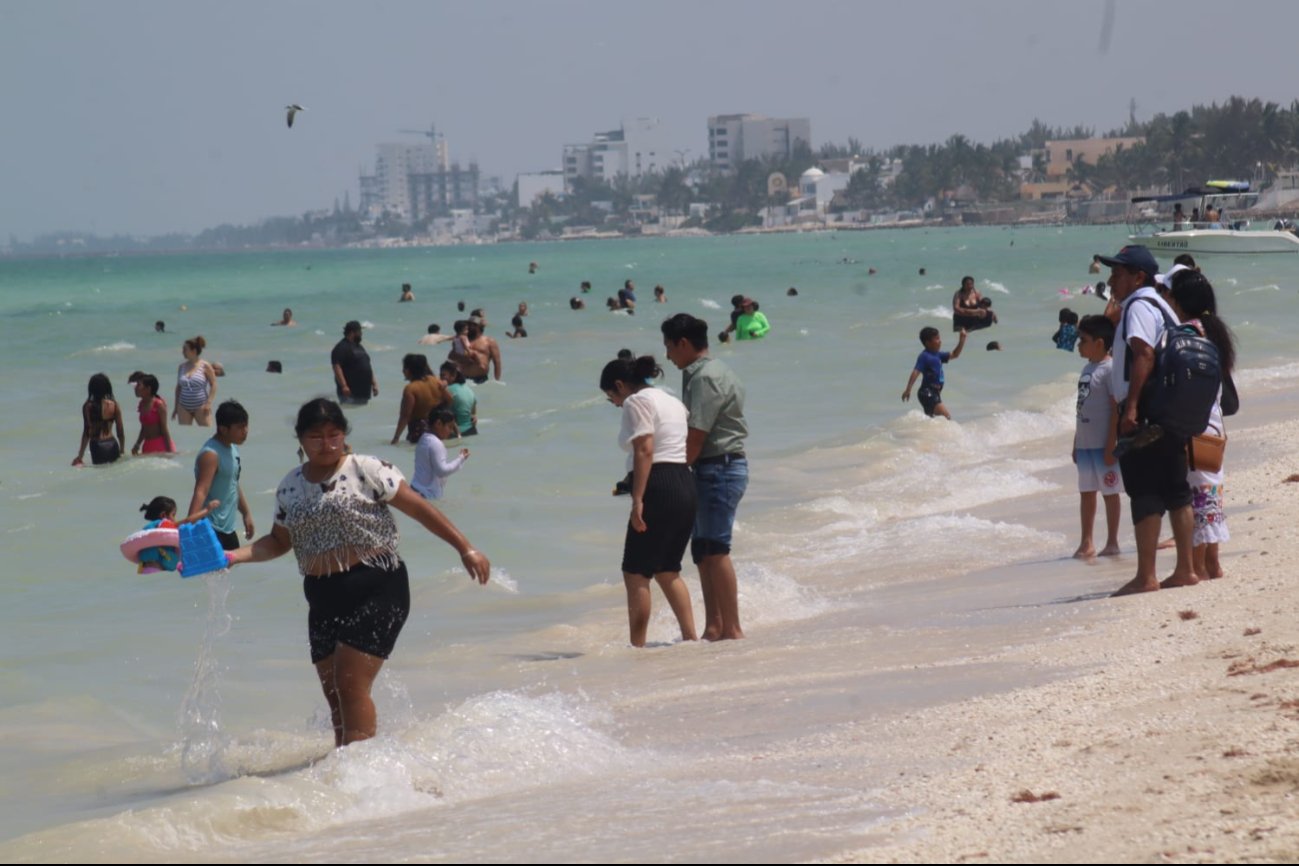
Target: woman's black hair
[1194,296]
[449,367]
[634,373]
[99,389]
[441,416]
[417,365]
[317,413]
[158,508]
[963,279]
[149,381]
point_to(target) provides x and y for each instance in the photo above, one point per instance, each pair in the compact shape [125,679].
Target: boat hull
[1219,241]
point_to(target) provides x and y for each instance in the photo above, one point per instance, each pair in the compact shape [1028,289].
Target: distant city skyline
[146,117]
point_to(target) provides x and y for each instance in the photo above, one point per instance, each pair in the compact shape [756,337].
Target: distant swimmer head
[435,328]
[994,346]
[274,367]
[160,326]
[576,303]
[922,272]
[872,271]
[792,292]
[460,305]
[586,285]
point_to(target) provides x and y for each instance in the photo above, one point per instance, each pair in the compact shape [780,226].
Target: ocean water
[159,719]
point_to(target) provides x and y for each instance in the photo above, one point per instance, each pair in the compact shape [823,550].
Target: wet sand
[1179,741]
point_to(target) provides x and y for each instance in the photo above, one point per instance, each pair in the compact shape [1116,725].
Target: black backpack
[1181,391]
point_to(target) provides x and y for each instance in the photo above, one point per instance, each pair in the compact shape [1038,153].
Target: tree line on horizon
[1232,140]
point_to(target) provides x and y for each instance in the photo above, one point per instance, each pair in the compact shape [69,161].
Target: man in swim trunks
[484,352]
[216,475]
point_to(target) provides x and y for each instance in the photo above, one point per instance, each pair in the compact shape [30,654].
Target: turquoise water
[133,700]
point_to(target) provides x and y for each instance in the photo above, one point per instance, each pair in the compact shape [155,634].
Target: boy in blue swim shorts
[1095,432]
[929,365]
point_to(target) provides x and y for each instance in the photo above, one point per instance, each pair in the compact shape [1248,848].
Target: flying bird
[292,110]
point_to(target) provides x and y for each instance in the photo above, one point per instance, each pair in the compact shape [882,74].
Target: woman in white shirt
[431,463]
[662,493]
[334,513]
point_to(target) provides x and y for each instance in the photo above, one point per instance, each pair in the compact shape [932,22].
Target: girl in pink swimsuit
[154,437]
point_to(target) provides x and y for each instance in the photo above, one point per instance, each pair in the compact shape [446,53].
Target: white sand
[1180,742]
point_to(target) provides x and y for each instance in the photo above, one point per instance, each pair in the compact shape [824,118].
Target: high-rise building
[733,138]
[638,147]
[414,181]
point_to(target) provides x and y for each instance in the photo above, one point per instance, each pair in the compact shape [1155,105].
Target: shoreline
[1026,222]
[1177,737]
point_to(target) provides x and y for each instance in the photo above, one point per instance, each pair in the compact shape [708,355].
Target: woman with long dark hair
[663,495]
[423,393]
[1193,300]
[333,513]
[100,415]
[154,436]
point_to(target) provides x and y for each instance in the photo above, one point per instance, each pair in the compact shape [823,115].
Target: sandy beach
[1179,742]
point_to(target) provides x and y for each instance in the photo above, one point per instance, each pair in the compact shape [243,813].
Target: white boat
[1213,227]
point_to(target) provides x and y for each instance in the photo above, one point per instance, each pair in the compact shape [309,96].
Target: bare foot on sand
[1167,544]
[1110,550]
[1085,551]
[1173,581]
[1136,585]
[1293,478]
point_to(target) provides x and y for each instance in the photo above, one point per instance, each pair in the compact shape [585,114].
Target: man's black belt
[722,458]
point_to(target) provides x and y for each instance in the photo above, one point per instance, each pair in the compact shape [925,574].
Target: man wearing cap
[1154,475]
[714,395]
[353,376]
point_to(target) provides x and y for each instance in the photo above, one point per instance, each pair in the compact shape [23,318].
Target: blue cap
[1133,256]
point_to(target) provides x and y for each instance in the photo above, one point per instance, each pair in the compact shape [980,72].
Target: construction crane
[431,133]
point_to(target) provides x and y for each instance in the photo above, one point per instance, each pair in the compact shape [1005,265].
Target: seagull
[292,110]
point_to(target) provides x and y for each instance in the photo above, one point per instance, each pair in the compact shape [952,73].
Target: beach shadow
[1090,596]
[549,656]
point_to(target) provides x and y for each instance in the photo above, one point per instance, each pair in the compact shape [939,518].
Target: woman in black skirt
[662,493]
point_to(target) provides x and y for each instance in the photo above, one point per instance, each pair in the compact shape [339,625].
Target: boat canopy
[1212,188]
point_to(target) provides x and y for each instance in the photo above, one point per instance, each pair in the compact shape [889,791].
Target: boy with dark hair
[216,475]
[929,364]
[1095,432]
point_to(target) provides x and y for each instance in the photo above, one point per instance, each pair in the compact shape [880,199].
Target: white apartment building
[733,138]
[638,147]
[389,187]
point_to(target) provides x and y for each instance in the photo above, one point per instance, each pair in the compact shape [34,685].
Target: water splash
[203,744]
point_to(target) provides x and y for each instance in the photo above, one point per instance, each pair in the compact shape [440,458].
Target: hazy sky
[147,117]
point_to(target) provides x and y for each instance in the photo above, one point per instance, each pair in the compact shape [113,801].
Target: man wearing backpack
[1154,474]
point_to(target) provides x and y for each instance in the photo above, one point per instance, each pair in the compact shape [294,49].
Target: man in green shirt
[715,448]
